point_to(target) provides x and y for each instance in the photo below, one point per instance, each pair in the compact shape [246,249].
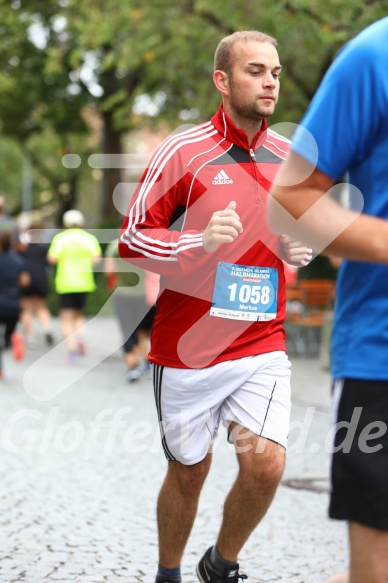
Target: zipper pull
[252,154]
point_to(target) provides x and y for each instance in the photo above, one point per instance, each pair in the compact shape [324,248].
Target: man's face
[254,81]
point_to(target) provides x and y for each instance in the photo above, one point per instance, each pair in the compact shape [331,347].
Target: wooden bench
[309,302]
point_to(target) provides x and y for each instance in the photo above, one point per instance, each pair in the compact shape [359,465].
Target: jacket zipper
[255,176]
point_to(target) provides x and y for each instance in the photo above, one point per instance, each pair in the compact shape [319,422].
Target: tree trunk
[67,201]
[111,176]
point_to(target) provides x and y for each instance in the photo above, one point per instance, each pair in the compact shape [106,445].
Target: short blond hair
[222,57]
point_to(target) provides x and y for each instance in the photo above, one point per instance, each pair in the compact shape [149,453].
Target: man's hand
[224,227]
[295,251]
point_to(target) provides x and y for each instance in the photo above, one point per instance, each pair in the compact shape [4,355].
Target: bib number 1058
[255,294]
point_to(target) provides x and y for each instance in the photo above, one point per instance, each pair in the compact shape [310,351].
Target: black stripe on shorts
[157,381]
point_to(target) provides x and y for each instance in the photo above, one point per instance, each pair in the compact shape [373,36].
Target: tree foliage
[128,63]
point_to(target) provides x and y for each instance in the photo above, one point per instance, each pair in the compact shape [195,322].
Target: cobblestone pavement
[81,466]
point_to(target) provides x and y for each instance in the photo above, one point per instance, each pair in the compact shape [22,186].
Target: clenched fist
[224,227]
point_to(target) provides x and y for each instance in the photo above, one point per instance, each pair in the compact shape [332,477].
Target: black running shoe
[207,574]
[168,579]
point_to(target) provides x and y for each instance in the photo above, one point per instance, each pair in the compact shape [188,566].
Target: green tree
[39,110]
[131,63]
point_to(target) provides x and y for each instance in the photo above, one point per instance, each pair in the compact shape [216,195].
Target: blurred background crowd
[87,90]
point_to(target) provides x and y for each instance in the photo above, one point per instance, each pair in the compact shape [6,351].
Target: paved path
[81,465]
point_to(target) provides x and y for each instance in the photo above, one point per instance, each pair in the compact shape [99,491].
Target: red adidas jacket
[192,175]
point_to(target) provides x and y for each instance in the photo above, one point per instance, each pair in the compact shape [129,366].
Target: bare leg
[144,345]
[79,324]
[339,578]
[26,316]
[132,358]
[261,465]
[42,313]
[368,554]
[177,508]
[79,321]
[67,317]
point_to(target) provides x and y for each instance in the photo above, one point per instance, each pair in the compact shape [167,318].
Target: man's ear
[221,82]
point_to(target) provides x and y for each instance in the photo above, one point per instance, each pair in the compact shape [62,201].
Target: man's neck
[250,127]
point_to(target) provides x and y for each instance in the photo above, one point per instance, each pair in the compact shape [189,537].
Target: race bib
[242,292]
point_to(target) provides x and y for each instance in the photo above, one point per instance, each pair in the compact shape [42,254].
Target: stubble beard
[252,114]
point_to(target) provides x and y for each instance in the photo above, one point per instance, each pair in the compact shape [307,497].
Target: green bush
[319,268]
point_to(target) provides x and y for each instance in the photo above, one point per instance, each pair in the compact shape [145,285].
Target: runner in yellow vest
[74,252]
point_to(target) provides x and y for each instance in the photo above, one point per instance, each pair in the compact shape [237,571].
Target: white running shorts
[254,392]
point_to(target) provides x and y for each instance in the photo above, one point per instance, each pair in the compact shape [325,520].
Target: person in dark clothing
[13,276]
[33,297]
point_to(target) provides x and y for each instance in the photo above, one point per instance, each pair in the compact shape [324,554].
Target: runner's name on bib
[242,292]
